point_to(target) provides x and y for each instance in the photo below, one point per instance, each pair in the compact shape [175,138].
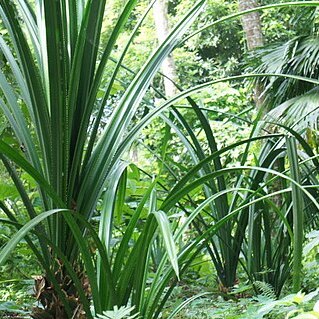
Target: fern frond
[265,289]
[118,313]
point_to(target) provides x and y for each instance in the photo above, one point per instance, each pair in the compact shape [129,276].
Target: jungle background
[241,153]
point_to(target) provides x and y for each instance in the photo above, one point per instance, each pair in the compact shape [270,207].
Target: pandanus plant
[56,57]
[57,60]
[251,228]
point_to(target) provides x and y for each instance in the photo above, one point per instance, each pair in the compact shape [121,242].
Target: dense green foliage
[116,198]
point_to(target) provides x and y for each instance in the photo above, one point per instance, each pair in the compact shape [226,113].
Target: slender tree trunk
[251,24]
[160,10]
[252,27]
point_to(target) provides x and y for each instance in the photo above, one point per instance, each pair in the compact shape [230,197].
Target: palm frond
[298,56]
[300,112]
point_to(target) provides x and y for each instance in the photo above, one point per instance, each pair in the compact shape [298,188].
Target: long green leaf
[12,243]
[103,155]
[169,242]
[256,9]
[298,218]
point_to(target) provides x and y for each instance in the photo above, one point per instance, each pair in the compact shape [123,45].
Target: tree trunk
[251,24]
[52,307]
[254,37]
[160,10]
